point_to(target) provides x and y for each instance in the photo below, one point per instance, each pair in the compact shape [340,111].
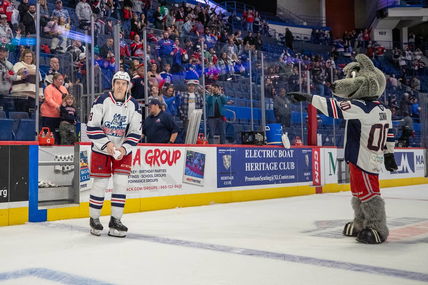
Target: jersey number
[377,136]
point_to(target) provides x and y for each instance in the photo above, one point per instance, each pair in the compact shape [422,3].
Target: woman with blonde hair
[24,85]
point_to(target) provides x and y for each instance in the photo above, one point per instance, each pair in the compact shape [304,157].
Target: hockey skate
[370,236]
[117,229]
[96,226]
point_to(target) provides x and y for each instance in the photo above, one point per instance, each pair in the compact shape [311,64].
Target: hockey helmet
[121,75]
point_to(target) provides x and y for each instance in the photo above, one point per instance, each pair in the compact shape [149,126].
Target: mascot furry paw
[369,143]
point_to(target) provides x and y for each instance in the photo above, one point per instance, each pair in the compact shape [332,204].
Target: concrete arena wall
[166,177]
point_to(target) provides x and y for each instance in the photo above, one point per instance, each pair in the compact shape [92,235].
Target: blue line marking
[51,275]
[410,275]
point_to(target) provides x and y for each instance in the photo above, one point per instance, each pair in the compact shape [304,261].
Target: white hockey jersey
[368,131]
[116,122]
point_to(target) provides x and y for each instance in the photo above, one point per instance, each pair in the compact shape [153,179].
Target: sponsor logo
[227,161]
[332,164]
[161,157]
[420,163]
[316,171]
[3,193]
[405,162]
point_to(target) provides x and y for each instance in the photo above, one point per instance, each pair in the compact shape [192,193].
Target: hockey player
[369,143]
[114,127]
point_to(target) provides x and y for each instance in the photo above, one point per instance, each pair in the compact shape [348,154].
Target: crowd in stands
[179,37]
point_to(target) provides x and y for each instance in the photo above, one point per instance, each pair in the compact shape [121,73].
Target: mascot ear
[365,62]
[373,86]
[350,67]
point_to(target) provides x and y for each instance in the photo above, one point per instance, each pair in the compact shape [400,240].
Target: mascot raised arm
[369,143]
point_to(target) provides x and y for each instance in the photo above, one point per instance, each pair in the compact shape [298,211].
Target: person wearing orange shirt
[50,109]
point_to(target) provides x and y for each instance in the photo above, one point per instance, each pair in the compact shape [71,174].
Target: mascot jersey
[368,131]
[114,121]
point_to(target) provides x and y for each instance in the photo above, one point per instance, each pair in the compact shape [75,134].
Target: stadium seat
[2,114]
[26,130]
[16,116]
[6,126]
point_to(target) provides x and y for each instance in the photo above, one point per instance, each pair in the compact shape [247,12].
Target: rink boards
[166,177]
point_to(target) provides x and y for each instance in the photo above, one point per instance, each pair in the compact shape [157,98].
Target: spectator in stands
[414,108]
[7,76]
[166,75]
[137,48]
[153,75]
[24,85]
[282,109]
[59,12]
[106,51]
[6,9]
[60,34]
[50,109]
[123,47]
[29,20]
[23,8]
[137,81]
[215,102]
[159,126]
[75,49]
[165,47]
[137,25]
[67,126]
[172,102]
[44,12]
[54,67]
[180,58]
[6,33]
[406,126]
[225,66]
[415,83]
[249,19]
[189,101]
[84,14]
[289,38]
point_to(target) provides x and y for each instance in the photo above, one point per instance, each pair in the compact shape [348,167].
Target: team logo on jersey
[116,127]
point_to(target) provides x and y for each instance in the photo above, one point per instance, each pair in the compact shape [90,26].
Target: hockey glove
[389,161]
[300,97]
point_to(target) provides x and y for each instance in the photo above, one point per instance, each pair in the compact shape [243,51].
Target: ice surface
[293,240]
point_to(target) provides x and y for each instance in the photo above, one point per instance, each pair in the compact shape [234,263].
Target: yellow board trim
[18,216]
[4,217]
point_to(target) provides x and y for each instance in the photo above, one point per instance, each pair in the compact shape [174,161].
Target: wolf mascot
[369,142]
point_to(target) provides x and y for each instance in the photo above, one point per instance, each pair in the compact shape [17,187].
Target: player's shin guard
[96,198]
[118,198]
[352,229]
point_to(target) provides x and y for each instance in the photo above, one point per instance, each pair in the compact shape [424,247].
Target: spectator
[44,12]
[83,13]
[172,102]
[7,76]
[60,34]
[289,38]
[406,126]
[159,126]
[29,20]
[153,75]
[23,8]
[54,67]
[165,48]
[6,9]
[67,126]
[106,51]
[6,34]
[166,75]
[249,19]
[282,109]
[415,83]
[59,12]
[75,49]
[137,81]
[24,86]
[215,113]
[189,101]
[50,109]
[137,48]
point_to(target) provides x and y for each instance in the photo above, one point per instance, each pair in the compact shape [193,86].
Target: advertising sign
[259,166]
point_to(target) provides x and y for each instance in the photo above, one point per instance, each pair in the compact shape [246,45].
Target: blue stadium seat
[6,126]
[16,116]
[26,130]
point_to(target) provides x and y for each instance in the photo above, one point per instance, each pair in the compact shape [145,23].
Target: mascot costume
[369,142]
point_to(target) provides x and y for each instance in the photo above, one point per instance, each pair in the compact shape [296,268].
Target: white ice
[293,240]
